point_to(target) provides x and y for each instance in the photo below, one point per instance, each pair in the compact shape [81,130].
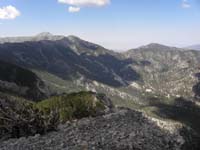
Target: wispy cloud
[185,4]
[9,12]
[76,5]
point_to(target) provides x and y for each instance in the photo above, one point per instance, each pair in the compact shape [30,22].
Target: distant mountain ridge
[38,37]
[194,47]
[157,46]
[154,68]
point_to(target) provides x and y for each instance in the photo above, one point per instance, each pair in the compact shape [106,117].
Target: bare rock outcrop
[122,130]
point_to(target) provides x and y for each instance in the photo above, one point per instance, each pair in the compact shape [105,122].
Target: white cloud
[85,2]
[77,4]
[9,12]
[73,9]
[185,4]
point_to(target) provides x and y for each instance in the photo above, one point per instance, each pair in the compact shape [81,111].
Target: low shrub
[72,106]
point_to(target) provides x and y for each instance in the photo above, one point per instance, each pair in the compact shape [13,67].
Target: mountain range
[154,68]
[162,82]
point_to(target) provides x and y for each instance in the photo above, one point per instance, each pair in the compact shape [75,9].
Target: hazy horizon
[114,24]
[117,50]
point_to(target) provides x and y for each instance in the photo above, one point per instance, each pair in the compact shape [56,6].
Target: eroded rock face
[122,130]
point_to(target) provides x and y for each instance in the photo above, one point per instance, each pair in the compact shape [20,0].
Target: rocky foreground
[123,129]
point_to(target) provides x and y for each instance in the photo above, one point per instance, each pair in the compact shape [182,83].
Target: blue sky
[115,24]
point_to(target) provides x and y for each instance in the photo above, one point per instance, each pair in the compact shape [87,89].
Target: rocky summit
[123,129]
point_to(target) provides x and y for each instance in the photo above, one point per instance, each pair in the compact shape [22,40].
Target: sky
[114,24]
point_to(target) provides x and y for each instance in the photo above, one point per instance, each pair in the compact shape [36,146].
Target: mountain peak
[44,34]
[39,37]
[73,38]
[154,45]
